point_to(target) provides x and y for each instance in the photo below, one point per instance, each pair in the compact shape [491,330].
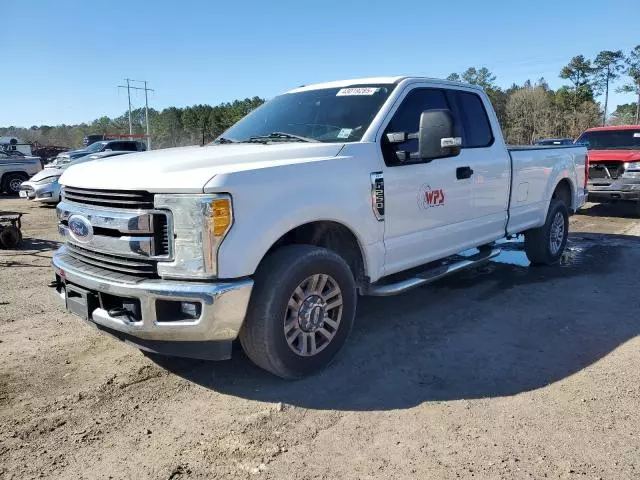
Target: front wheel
[301,311]
[544,245]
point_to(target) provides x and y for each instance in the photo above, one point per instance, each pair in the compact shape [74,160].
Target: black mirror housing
[437,137]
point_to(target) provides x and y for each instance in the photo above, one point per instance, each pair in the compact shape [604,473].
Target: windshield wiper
[280,136]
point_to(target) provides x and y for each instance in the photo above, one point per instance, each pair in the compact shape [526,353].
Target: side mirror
[437,137]
[108,150]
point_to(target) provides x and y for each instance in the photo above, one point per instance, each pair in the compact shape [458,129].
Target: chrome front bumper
[624,189]
[223,305]
[47,193]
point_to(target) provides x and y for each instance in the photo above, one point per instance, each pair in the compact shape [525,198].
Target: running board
[431,275]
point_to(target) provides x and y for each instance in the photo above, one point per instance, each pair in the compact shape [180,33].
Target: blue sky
[62,60]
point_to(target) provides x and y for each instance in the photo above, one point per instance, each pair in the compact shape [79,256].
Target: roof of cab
[613,127]
[377,81]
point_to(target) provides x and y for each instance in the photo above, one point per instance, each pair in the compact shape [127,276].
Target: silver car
[44,187]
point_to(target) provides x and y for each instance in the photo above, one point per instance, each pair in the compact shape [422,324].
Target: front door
[428,205]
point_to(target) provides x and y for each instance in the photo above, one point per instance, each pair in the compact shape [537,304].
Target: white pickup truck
[328,191]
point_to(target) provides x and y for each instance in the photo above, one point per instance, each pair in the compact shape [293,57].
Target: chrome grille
[127,235]
[137,268]
[131,200]
[161,235]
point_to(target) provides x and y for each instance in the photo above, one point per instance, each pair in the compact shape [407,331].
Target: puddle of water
[513,252]
[513,257]
[572,256]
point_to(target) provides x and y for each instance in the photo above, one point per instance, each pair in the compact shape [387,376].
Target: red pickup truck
[614,163]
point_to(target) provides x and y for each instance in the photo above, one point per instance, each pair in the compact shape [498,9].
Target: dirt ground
[504,372]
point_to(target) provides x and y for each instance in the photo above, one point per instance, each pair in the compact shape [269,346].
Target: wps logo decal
[429,197]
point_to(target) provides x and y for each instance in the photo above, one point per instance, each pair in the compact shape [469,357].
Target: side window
[122,146]
[475,122]
[407,119]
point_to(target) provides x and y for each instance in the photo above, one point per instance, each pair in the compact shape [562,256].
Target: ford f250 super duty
[328,191]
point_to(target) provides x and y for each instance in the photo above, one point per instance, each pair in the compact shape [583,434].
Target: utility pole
[146,105]
[146,113]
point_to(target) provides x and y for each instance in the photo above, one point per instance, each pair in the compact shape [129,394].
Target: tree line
[170,127]
[532,111]
[526,112]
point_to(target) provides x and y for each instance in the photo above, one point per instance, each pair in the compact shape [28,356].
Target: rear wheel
[301,311]
[12,182]
[544,245]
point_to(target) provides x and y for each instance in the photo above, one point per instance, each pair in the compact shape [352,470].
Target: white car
[44,186]
[324,193]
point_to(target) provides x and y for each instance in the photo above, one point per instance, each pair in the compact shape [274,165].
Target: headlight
[633,166]
[46,180]
[200,223]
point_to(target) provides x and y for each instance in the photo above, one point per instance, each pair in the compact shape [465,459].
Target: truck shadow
[499,330]
[613,210]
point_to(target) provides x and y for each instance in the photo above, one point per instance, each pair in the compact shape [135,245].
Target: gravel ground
[503,372]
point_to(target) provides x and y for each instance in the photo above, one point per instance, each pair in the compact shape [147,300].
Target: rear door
[427,207]
[483,150]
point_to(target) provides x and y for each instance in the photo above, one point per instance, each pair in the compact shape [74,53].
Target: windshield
[326,115]
[95,147]
[611,140]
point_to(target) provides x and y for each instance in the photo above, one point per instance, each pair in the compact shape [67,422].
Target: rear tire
[12,181]
[301,311]
[544,245]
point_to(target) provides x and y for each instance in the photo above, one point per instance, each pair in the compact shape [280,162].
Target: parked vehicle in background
[48,152]
[614,163]
[13,144]
[89,139]
[367,186]
[101,146]
[44,186]
[555,141]
[15,169]
[96,137]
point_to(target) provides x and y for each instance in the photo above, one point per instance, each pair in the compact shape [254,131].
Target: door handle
[463,173]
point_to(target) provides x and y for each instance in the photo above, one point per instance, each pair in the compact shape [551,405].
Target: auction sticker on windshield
[345,92]
[345,133]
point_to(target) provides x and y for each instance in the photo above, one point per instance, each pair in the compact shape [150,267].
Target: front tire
[544,245]
[301,311]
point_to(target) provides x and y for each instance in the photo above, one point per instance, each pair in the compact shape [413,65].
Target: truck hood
[188,169]
[614,155]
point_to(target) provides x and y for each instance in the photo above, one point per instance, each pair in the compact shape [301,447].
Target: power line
[146,104]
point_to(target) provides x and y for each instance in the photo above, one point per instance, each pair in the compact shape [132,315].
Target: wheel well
[332,236]
[563,192]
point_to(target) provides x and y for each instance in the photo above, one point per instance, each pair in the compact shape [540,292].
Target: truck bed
[537,169]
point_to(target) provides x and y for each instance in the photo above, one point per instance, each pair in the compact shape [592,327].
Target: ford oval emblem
[80,228]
